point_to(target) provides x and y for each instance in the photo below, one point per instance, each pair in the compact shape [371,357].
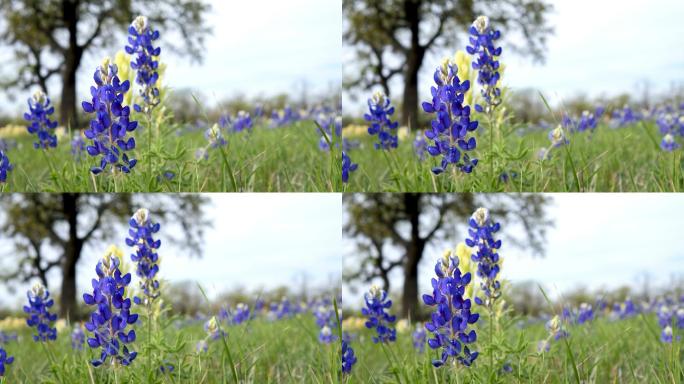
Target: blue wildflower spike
[145,61]
[146,258]
[377,316]
[379,115]
[112,312]
[481,239]
[452,313]
[111,123]
[4,361]
[39,316]
[482,39]
[347,167]
[451,126]
[5,166]
[348,358]
[39,119]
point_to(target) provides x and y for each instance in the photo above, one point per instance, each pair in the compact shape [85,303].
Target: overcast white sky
[257,241]
[258,47]
[599,47]
[599,240]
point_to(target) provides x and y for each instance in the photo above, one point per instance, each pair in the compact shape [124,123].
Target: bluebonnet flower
[225,121]
[7,337]
[481,233]
[39,315]
[626,309]
[666,123]
[543,346]
[201,154]
[419,338]
[482,39]
[668,143]
[283,309]
[556,328]
[211,327]
[7,360]
[78,147]
[146,258]
[586,313]
[348,358]
[325,320]
[666,318]
[77,338]
[449,321]
[379,117]
[166,367]
[242,121]
[377,318]
[5,166]
[332,126]
[141,38]
[420,145]
[214,136]
[39,118]
[241,314]
[202,346]
[347,167]
[557,137]
[450,127]
[284,117]
[626,116]
[113,313]
[326,336]
[111,123]
[587,121]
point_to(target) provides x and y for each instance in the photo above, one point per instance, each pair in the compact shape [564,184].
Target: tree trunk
[72,252]
[414,252]
[414,60]
[72,60]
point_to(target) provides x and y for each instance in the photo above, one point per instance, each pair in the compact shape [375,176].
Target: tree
[51,231]
[383,226]
[393,37]
[51,37]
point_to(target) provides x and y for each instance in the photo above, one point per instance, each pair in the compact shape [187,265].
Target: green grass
[280,159]
[262,351]
[610,160]
[603,351]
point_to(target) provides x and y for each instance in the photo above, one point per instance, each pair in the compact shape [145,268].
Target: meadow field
[609,159]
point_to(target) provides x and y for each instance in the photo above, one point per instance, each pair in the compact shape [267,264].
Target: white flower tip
[375,291]
[140,24]
[378,98]
[481,23]
[141,216]
[38,290]
[39,97]
[481,216]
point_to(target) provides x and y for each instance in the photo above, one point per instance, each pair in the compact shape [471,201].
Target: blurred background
[577,53]
[239,247]
[577,247]
[230,55]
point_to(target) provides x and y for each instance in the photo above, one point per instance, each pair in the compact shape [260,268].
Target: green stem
[149,144]
[52,361]
[230,169]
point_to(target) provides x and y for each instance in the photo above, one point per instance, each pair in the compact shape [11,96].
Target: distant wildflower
[556,328]
[202,346]
[420,145]
[668,143]
[284,117]
[666,335]
[586,313]
[214,136]
[111,123]
[379,116]
[543,154]
[451,124]
[109,321]
[39,118]
[482,40]
[242,122]
[449,323]
[145,61]
[666,123]
[166,367]
[325,320]
[7,360]
[347,167]
[348,358]
[377,318]
[201,154]
[626,116]
[419,338]
[225,121]
[543,346]
[39,315]
[211,327]
[332,126]
[557,137]
[481,237]
[146,257]
[78,146]
[326,336]
[77,338]
[241,314]
[5,166]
